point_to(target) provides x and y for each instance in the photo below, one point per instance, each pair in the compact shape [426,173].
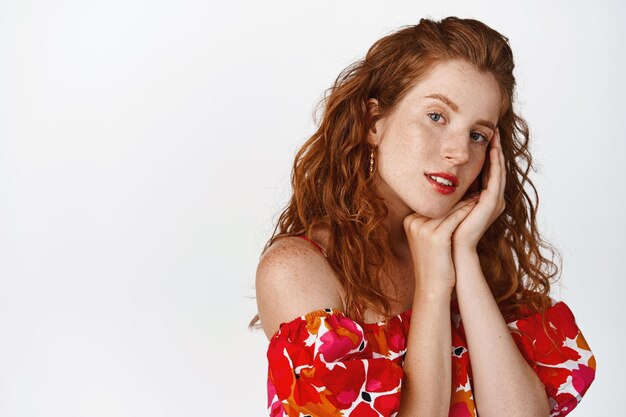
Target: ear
[374,132]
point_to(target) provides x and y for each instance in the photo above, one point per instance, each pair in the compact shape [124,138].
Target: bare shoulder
[293,278]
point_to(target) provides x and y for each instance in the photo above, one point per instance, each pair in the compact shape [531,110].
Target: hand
[430,243]
[491,199]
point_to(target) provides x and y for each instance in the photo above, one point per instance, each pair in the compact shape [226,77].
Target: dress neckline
[405,314]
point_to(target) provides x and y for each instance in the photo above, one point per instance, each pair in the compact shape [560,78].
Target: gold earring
[372,162]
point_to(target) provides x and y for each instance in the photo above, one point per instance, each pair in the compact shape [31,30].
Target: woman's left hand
[491,200]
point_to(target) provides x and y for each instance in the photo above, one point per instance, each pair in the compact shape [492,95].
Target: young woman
[406,276]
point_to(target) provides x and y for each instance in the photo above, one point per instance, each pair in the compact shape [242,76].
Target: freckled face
[425,135]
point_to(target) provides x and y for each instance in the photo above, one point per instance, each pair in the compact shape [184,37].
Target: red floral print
[324,364]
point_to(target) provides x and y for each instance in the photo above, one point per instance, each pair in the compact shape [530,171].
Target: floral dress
[325,364]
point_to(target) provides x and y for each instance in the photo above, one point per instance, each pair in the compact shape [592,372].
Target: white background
[145,153]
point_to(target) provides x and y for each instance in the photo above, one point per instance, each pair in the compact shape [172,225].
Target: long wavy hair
[332,188]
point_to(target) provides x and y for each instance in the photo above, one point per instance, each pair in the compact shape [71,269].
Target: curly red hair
[332,188]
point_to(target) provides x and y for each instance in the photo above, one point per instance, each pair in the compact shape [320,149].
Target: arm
[504,383]
[285,287]
[427,365]
[319,363]
[427,382]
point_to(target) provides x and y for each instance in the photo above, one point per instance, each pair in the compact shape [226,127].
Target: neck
[395,221]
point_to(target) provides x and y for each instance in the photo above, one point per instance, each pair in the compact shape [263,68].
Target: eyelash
[485,140]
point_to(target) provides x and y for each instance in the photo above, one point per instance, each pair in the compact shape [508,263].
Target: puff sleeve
[567,367]
[320,365]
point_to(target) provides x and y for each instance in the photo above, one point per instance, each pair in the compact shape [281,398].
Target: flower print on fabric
[567,367]
[333,368]
[325,364]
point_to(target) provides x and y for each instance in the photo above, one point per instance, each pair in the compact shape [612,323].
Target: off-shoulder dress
[325,364]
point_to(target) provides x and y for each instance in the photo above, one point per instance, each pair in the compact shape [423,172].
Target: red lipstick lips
[439,187]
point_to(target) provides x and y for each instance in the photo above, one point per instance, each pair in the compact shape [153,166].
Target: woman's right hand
[430,243]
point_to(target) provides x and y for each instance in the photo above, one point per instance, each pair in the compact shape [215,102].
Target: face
[423,136]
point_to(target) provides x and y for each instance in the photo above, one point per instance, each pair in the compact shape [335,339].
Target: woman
[411,241]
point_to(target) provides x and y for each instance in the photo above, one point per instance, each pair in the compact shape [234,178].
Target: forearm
[503,382]
[426,385]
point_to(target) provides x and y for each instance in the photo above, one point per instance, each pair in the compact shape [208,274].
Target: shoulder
[292,279]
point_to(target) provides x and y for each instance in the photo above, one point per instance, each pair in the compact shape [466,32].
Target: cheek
[481,161]
[476,170]
[407,145]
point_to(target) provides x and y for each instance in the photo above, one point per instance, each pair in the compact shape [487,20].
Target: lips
[439,187]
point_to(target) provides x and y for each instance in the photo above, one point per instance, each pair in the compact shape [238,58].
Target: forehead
[475,93]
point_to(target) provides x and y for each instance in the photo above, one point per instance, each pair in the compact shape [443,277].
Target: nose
[456,149]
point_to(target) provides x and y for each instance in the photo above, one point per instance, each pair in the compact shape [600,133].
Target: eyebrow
[455,108]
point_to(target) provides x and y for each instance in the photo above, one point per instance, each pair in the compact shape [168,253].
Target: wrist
[464,247]
[465,250]
[436,294]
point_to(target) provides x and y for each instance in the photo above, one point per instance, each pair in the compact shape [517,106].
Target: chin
[433,211]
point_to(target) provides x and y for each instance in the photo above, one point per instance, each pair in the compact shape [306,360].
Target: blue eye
[435,114]
[481,135]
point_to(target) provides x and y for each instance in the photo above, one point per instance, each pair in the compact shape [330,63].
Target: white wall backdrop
[145,152]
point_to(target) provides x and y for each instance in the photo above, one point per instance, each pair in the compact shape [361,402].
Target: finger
[501,171]
[459,204]
[502,164]
[416,221]
[485,173]
[413,220]
[466,199]
[495,169]
[450,223]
